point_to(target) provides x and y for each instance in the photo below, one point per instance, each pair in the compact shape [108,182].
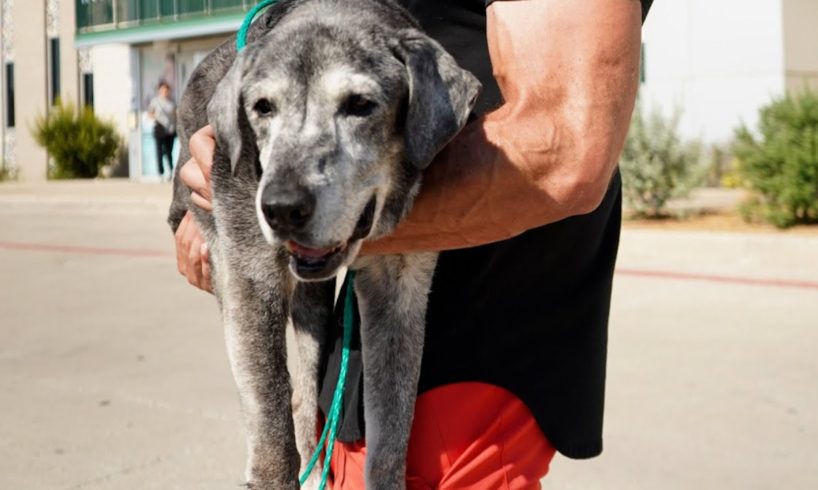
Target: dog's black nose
[287,209]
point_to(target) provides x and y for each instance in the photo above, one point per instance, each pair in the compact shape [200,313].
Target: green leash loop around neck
[241,37]
[334,415]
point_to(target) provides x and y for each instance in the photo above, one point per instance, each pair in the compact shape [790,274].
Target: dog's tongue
[306,251]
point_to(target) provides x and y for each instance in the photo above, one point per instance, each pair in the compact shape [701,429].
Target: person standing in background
[162,110]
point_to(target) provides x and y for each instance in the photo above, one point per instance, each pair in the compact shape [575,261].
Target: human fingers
[191,174]
[181,240]
[191,254]
[194,262]
[202,146]
[201,201]
[198,264]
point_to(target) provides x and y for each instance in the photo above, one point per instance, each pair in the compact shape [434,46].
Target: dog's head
[340,117]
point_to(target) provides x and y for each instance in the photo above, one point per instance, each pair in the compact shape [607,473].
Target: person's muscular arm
[568,72]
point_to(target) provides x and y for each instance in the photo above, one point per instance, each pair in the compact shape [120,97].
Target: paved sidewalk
[113,372]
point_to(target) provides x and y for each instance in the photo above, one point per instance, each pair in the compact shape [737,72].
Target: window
[167,8]
[191,6]
[9,95]
[55,69]
[88,89]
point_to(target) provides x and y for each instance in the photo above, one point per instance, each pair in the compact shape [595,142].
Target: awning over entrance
[138,21]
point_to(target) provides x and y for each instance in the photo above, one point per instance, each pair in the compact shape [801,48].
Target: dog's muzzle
[322,263]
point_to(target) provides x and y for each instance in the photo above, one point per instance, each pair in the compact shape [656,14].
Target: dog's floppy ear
[441,95]
[225,112]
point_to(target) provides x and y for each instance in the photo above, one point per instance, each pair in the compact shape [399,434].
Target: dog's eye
[357,105]
[264,108]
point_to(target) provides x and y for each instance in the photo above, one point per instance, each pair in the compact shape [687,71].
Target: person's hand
[191,249]
[196,171]
[191,254]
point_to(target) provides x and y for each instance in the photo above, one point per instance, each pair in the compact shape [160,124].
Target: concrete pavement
[711,382]
[113,373]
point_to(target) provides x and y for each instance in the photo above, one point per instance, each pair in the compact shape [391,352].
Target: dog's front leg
[311,313]
[255,320]
[392,297]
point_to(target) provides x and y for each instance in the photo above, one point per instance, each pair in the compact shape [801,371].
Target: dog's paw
[271,485]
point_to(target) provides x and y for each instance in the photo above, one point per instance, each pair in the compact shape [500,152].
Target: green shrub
[780,164]
[656,164]
[79,143]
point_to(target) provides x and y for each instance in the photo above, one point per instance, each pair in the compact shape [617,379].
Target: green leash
[331,424]
[241,37]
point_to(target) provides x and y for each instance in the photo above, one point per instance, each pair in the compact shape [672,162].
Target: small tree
[78,141]
[656,164]
[780,166]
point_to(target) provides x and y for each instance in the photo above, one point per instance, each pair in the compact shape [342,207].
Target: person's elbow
[586,180]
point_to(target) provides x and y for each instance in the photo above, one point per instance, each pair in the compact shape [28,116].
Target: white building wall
[69,64]
[716,61]
[801,44]
[113,84]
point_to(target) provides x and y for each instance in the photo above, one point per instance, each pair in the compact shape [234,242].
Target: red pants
[464,436]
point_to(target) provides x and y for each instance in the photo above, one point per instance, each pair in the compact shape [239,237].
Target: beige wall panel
[69,67]
[30,85]
[800,42]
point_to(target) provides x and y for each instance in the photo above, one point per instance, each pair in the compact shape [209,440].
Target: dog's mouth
[311,262]
[321,263]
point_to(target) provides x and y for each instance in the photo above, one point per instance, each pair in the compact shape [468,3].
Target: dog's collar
[241,37]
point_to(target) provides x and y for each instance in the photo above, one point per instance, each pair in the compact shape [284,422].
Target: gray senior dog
[323,124]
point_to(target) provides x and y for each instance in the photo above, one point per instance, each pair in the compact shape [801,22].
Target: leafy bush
[656,164]
[781,166]
[77,140]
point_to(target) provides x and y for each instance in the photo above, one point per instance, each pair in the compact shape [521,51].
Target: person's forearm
[550,150]
[480,190]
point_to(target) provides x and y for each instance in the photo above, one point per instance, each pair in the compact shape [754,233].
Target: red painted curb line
[746,281]
[42,247]
[128,252]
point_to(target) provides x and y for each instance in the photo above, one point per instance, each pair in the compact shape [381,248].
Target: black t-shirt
[529,314]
